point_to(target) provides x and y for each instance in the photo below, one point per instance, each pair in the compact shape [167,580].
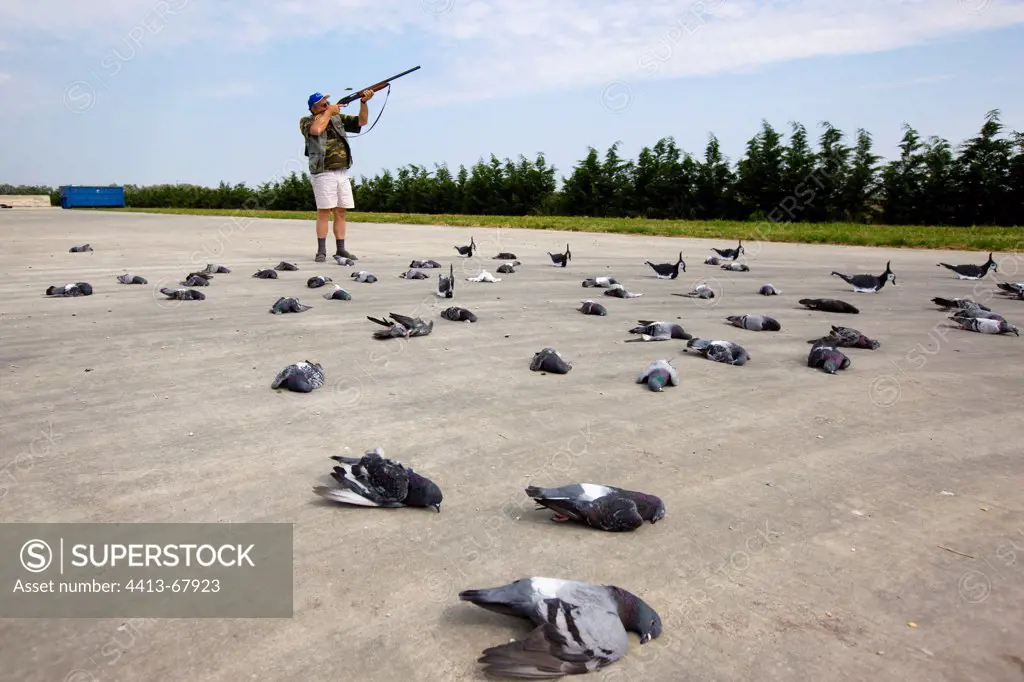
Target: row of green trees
[830,177]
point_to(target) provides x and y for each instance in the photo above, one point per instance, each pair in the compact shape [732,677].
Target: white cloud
[5,77]
[899,85]
[496,48]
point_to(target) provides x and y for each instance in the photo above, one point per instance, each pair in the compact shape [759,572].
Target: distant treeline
[834,178]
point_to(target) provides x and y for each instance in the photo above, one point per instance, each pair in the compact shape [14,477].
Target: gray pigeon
[376,481]
[70,290]
[650,330]
[579,627]
[214,269]
[702,291]
[846,337]
[285,265]
[364,277]
[195,279]
[131,279]
[425,264]
[551,361]
[619,291]
[456,314]
[508,268]
[977,313]
[829,358]
[602,282]
[301,377]
[659,374]
[599,506]
[288,304]
[755,323]
[958,304]
[414,274]
[768,290]
[720,351]
[446,285]
[984,326]
[1012,289]
[504,255]
[401,326]
[266,274]
[829,305]
[592,308]
[712,260]
[343,261]
[183,294]
[736,267]
[80,249]
[317,281]
[338,294]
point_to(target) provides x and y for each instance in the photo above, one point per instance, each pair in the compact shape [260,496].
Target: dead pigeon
[702,291]
[195,279]
[768,290]
[401,326]
[1012,289]
[846,337]
[592,308]
[214,269]
[736,267]
[978,313]
[985,326]
[958,304]
[285,265]
[504,255]
[551,361]
[484,276]
[719,351]
[317,281]
[364,277]
[425,264]
[266,274]
[376,481]
[508,268]
[650,330]
[619,291]
[659,374]
[467,250]
[561,260]
[579,627]
[131,279]
[414,274]
[456,314]
[712,260]
[338,294]
[601,282]
[70,290]
[599,506]
[446,285]
[829,358]
[301,377]
[828,305]
[183,294]
[288,304]
[755,323]
[343,261]
[80,249]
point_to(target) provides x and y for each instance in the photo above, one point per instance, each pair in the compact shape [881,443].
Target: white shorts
[333,189]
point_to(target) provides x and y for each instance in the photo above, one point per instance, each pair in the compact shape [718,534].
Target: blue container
[72,196]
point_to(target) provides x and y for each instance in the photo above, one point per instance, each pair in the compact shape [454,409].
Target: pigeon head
[636,615]
[423,492]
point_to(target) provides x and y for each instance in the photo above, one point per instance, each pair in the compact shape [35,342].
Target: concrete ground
[805,511]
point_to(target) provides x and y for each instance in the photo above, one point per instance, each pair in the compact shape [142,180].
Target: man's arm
[364,113]
[320,120]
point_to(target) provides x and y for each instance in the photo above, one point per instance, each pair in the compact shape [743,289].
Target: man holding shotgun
[330,157]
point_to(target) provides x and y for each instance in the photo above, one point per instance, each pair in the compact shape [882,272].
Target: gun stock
[376,87]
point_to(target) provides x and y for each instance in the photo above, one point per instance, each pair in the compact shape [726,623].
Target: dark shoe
[345,254]
[320,257]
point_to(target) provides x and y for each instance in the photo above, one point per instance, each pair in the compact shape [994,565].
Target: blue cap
[314,98]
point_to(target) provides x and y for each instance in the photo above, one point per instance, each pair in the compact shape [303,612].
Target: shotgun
[377,87]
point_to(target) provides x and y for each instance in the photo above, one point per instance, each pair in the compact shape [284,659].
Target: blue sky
[132,91]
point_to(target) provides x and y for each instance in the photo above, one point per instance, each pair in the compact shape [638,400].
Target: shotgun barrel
[376,87]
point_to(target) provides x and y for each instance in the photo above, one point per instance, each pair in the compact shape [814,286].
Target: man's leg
[345,202]
[326,194]
[322,216]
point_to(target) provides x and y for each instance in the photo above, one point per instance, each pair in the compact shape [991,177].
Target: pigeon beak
[645,638]
[437,507]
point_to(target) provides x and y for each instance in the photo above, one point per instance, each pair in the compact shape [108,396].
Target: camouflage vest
[316,145]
